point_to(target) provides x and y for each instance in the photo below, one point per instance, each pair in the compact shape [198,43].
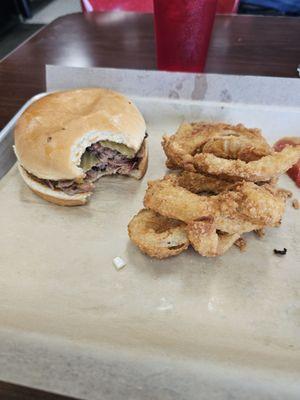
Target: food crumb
[119,263]
[296,204]
[241,244]
[284,192]
[164,305]
[260,232]
[280,252]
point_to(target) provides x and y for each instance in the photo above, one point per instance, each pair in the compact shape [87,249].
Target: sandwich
[66,141]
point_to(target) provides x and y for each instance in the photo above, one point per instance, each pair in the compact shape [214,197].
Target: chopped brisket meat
[67,186]
[109,162]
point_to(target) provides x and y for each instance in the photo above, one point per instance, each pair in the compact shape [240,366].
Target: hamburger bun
[54,132]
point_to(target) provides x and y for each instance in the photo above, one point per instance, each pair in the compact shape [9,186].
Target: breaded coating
[260,233]
[241,244]
[205,239]
[157,236]
[296,204]
[199,183]
[261,170]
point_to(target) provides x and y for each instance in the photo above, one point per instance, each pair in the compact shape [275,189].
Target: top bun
[53,133]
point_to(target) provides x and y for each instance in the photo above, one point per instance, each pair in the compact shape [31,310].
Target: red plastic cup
[183,29]
[227,6]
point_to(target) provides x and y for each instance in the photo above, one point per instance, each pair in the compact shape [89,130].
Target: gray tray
[184,328]
[7,155]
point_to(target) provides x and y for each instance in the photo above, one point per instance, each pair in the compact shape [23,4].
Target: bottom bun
[53,196]
[143,165]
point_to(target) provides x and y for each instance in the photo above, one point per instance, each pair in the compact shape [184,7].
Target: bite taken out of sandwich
[66,141]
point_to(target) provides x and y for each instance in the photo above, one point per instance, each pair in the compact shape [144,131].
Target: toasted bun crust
[53,196]
[53,133]
[141,170]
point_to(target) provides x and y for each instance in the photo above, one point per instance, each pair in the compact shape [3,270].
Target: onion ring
[205,239]
[261,170]
[199,183]
[223,140]
[157,236]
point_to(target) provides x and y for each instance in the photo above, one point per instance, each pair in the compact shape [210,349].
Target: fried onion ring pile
[225,186]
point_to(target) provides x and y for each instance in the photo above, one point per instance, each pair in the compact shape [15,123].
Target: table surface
[245,45]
